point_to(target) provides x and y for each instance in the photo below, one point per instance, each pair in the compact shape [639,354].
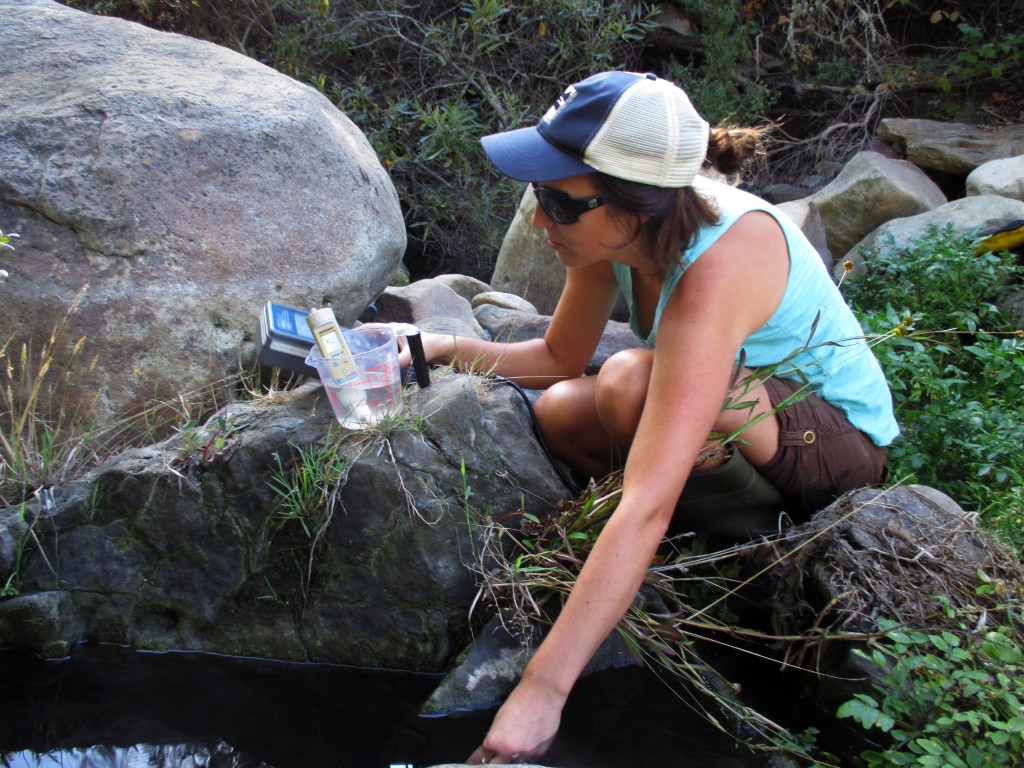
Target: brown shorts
[821,455]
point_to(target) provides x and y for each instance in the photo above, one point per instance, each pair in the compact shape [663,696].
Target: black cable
[565,477]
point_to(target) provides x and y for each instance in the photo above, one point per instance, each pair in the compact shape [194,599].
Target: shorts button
[809,437]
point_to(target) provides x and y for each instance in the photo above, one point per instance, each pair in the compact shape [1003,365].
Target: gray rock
[1004,177]
[186,184]
[183,546]
[950,148]
[980,213]
[869,191]
[881,554]
[1012,305]
[505,301]
[508,325]
[493,664]
[430,304]
[807,216]
[467,287]
[42,621]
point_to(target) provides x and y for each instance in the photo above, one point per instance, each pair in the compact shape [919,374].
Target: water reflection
[108,707]
[138,756]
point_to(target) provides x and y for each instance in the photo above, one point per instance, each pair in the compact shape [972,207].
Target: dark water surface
[111,707]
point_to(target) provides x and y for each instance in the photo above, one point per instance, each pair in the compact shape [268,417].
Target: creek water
[110,707]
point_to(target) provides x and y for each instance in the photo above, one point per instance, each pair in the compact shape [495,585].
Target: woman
[721,284]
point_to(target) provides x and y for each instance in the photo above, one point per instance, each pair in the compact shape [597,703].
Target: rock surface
[870,190]
[187,546]
[1004,177]
[186,185]
[976,214]
[955,149]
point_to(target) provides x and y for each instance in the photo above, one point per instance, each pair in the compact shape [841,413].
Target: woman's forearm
[529,363]
[604,590]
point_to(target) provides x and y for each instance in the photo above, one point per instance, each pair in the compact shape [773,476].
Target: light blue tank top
[813,335]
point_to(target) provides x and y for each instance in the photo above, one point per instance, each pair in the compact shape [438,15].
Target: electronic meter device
[285,338]
[331,343]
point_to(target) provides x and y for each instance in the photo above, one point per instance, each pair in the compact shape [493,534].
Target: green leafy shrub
[980,58]
[948,699]
[956,368]
[721,83]
[439,76]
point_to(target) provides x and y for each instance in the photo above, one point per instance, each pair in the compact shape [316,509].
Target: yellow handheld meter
[331,343]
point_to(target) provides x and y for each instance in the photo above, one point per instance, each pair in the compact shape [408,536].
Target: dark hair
[675,214]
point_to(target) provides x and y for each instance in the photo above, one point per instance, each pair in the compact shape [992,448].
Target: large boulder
[526,265]
[186,185]
[196,543]
[870,190]
[950,149]
[1004,177]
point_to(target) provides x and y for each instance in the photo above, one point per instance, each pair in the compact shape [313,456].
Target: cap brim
[525,155]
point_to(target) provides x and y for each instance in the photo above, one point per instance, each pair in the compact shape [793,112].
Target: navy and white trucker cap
[625,124]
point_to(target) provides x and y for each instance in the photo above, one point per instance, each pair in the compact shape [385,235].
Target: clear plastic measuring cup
[373,392]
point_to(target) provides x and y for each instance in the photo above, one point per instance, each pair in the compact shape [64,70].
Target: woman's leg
[622,390]
[567,415]
[590,423]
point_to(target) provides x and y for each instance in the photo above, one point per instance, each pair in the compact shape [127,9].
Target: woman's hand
[524,727]
[437,348]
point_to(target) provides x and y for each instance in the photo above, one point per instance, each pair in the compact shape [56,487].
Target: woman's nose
[540,216]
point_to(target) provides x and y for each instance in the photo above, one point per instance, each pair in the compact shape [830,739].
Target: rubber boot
[729,503]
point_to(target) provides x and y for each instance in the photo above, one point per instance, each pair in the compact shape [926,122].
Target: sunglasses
[560,207]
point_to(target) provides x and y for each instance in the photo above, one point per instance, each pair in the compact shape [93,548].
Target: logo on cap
[563,101]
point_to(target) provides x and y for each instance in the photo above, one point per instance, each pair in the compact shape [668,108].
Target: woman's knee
[564,406]
[622,385]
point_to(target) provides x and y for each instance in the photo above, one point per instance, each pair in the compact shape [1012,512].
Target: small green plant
[426,82]
[721,86]
[948,699]
[203,443]
[307,488]
[5,242]
[11,586]
[12,583]
[982,57]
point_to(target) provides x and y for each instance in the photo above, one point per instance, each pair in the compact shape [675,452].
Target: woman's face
[598,235]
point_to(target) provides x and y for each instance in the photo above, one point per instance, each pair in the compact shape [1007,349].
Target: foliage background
[424,81]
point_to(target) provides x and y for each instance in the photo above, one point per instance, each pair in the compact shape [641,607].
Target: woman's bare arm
[575,330]
[719,302]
